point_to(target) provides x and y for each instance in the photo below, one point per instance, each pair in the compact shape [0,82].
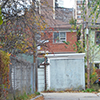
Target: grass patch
[24,96]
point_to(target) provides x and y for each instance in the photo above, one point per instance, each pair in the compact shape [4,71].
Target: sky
[68,3]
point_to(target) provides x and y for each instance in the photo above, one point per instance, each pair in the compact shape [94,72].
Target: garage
[65,71]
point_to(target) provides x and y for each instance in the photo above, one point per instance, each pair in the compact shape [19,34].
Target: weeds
[24,96]
[89,90]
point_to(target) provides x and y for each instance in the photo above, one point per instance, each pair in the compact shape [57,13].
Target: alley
[71,96]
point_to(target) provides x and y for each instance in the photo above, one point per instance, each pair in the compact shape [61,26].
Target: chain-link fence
[20,78]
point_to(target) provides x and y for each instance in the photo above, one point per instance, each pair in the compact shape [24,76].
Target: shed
[65,71]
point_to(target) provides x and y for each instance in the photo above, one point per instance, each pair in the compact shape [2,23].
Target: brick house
[56,37]
[59,29]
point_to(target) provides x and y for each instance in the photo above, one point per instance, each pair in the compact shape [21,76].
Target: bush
[37,93]
[93,76]
[89,90]
[27,97]
[4,74]
[96,87]
[22,97]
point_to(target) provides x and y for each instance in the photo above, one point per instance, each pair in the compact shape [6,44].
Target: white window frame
[79,11]
[59,37]
[79,6]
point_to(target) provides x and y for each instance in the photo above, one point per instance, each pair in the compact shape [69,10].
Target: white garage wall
[66,71]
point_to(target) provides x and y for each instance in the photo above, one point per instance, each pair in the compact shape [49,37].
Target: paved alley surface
[71,96]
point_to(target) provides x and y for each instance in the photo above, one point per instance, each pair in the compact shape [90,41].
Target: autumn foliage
[4,74]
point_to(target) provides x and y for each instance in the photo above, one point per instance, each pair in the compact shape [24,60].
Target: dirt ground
[40,98]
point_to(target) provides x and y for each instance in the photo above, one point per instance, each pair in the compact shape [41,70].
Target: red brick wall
[60,47]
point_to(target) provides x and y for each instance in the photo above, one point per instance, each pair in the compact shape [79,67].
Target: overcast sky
[69,3]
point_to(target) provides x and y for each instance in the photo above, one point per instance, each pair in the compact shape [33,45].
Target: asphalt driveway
[71,96]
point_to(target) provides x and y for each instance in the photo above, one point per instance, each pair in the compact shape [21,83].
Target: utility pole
[87,35]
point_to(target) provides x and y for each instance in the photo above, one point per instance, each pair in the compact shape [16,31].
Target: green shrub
[37,93]
[22,97]
[96,87]
[4,73]
[89,90]
[93,75]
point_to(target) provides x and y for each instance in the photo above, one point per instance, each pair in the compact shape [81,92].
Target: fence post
[31,78]
[21,79]
[34,77]
[14,78]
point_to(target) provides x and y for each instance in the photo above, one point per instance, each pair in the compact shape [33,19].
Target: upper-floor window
[79,2]
[79,7]
[97,37]
[79,21]
[84,2]
[79,11]
[59,37]
[79,16]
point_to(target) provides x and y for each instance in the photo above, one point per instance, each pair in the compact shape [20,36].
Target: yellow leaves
[93,73]
[90,8]
[93,17]
[8,86]
[72,26]
[8,54]
[42,33]
[41,27]
[4,69]
[44,55]
[41,48]
[85,19]
[38,24]
[30,44]
[96,21]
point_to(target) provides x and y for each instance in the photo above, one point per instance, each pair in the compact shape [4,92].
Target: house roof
[64,14]
[56,17]
[58,24]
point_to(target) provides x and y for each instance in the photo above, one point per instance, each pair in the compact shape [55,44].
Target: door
[65,73]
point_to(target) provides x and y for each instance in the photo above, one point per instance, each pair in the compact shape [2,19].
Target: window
[79,7]
[97,38]
[78,2]
[84,2]
[59,37]
[79,16]
[79,11]
[97,65]
[79,21]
